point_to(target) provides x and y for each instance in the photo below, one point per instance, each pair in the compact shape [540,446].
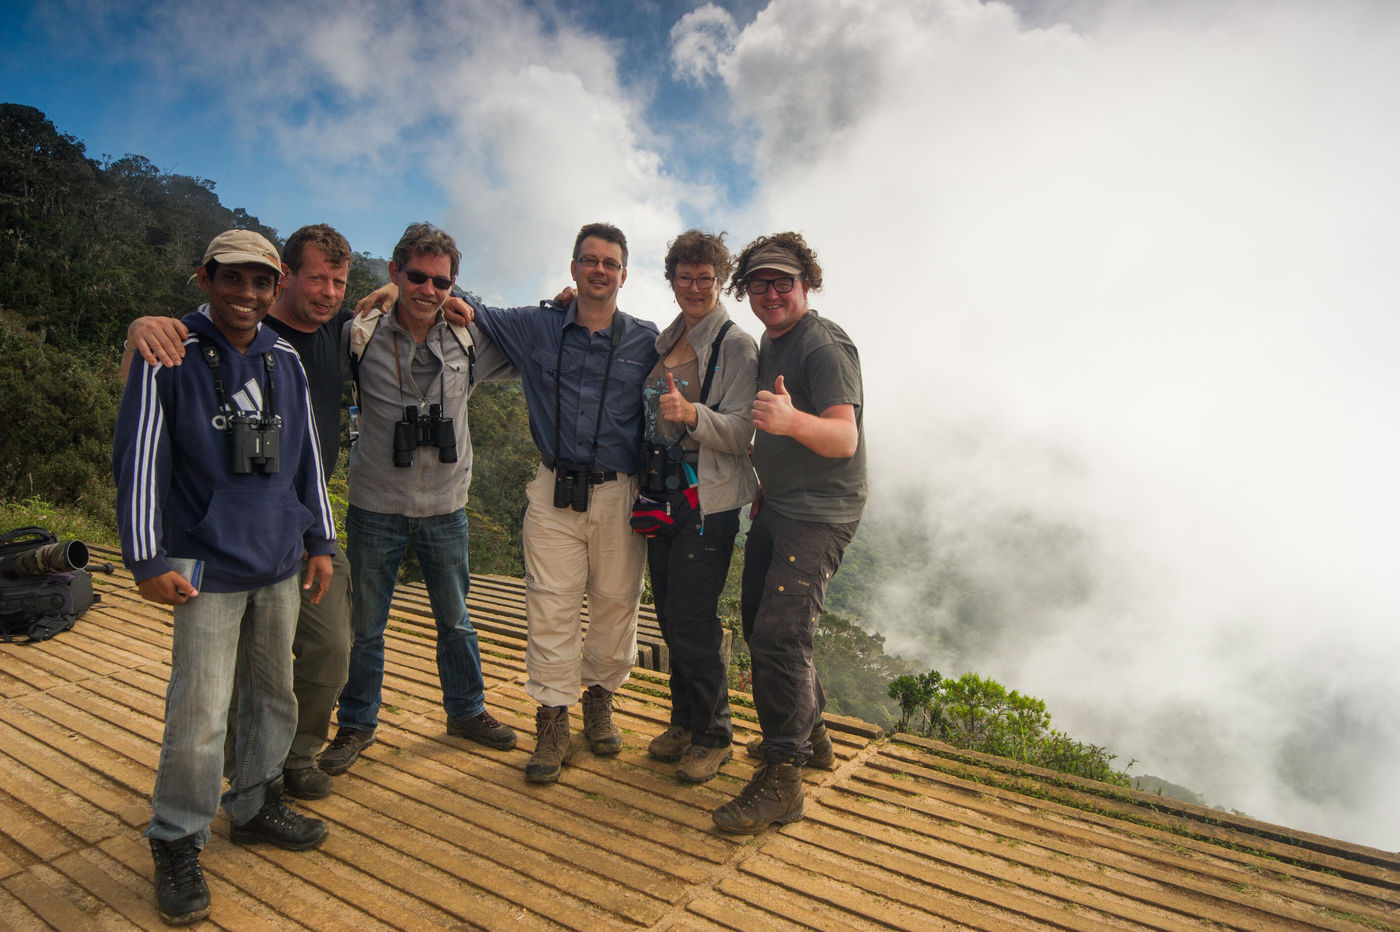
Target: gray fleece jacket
[724,426]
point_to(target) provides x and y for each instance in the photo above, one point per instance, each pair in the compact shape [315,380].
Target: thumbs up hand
[773,411]
[674,407]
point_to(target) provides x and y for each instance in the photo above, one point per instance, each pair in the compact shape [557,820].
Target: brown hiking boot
[603,736]
[553,744]
[701,763]
[670,744]
[773,797]
[823,754]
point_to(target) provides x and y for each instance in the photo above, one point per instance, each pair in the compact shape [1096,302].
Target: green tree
[915,694]
[980,714]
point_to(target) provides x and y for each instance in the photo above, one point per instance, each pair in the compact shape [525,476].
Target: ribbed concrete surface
[432,832]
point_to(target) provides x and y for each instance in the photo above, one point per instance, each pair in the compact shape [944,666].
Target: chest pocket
[456,380]
[625,383]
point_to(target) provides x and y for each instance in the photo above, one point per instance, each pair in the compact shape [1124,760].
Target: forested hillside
[85,247]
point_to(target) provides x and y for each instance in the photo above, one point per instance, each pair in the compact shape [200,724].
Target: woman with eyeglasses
[699,399]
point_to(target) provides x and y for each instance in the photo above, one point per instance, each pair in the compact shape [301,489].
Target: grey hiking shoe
[603,736]
[701,763]
[554,744]
[343,750]
[182,896]
[823,754]
[483,728]
[772,797]
[670,744]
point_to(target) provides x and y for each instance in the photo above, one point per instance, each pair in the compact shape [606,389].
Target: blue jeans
[220,636]
[375,543]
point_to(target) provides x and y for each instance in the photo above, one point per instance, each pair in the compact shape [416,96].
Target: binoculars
[432,431]
[255,441]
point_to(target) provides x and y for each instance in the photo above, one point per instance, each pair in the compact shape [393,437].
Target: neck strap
[210,353]
[617,323]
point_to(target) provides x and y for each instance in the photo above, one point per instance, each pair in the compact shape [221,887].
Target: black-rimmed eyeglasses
[592,262]
[683,282]
[760,285]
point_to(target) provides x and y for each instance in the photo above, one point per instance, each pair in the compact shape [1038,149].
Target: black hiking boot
[307,782]
[484,729]
[344,749]
[182,896]
[280,826]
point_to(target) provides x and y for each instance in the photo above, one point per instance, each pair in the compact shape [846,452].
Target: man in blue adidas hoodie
[217,462]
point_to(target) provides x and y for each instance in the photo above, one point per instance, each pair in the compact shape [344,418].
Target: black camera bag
[38,607]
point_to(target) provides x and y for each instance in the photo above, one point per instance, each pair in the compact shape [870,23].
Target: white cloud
[1127,280]
[505,124]
[699,41]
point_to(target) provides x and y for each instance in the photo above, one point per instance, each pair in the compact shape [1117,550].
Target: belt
[594,478]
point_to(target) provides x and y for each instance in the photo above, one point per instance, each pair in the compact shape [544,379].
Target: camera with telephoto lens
[571,488]
[256,442]
[431,431]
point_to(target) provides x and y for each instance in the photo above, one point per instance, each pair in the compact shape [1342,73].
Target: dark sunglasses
[418,278]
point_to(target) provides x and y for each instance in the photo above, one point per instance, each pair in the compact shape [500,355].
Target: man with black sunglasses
[410,469]
[582,363]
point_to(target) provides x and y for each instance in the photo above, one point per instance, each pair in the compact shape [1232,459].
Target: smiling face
[239,298]
[314,292]
[696,300]
[419,302]
[598,272]
[778,312]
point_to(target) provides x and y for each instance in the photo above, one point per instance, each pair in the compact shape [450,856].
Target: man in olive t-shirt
[809,451]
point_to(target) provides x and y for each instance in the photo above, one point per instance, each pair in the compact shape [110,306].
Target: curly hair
[424,239]
[805,255]
[694,247]
[333,246]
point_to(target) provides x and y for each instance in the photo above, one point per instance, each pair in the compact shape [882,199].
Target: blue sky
[169,82]
[1121,267]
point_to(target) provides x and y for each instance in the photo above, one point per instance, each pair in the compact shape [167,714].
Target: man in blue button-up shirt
[582,366]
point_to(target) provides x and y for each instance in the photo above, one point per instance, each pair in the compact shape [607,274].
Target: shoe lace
[183,867]
[548,727]
[763,784]
[276,811]
[342,738]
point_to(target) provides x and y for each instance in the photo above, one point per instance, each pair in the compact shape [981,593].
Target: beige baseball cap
[773,256]
[237,247]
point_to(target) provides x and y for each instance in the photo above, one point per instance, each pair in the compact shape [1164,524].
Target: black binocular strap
[210,353]
[607,370]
